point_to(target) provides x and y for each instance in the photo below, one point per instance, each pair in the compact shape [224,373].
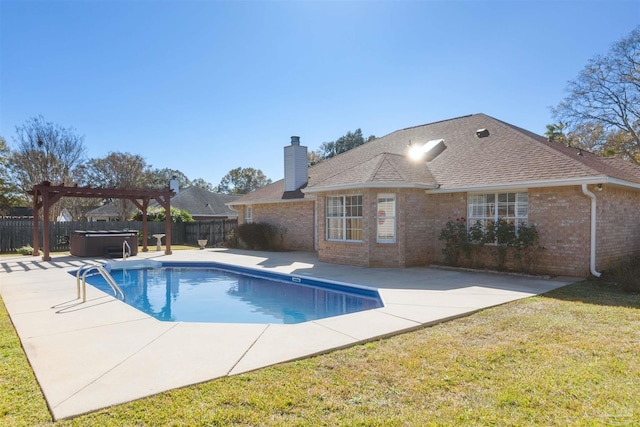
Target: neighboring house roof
[19,212]
[195,200]
[65,216]
[202,203]
[105,211]
[509,157]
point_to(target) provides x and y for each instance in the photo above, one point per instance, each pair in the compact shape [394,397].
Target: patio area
[104,352]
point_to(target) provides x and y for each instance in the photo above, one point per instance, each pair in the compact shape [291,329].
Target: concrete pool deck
[88,356]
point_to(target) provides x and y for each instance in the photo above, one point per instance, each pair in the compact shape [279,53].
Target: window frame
[248,214]
[491,210]
[388,197]
[344,220]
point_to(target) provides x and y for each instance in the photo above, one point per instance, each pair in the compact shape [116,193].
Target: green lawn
[570,357]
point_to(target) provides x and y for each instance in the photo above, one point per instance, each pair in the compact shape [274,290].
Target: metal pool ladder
[104,273]
[126,250]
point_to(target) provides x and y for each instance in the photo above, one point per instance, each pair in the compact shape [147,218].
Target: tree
[314,157]
[340,145]
[8,190]
[201,183]
[242,181]
[555,132]
[606,96]
[116,170]
[160,178]
[45,152]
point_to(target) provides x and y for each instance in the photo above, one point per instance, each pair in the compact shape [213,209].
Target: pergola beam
[46,195]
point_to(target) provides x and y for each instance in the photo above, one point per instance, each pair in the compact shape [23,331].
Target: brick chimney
[295,165]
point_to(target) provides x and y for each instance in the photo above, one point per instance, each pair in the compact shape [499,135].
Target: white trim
[248,219]
[271,201]
[393,218]
[592,252]
[473,219]
[537,184]
[362,185]
[344,218]
[435,188]
[622,183]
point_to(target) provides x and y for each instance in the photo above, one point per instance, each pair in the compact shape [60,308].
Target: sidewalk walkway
[103,352]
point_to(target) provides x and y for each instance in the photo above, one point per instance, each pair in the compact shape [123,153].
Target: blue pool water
[208,292]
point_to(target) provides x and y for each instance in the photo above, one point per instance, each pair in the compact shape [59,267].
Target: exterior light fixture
[428,151]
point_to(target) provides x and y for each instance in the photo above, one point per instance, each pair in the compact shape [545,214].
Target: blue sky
[208,86]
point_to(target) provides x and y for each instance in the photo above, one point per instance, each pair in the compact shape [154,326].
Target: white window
[344,218]
[386,218]
[488,207]
[248,214]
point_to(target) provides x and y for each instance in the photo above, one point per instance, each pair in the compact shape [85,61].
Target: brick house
[376,206]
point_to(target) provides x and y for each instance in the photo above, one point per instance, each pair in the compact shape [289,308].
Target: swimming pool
[221,293]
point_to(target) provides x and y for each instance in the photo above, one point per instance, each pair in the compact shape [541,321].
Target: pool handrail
[103,272]
[126,250]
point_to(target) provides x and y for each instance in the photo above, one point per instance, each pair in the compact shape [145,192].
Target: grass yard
[570,357]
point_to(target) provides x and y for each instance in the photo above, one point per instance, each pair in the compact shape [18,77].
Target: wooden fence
[15,233]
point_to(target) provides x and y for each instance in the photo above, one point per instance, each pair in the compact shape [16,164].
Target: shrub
[625,273]
[231,239]
[25,250]
[505,236]
[157,214]
[526,247]
[477,240]
[456,240]
[500,235]
[261,236]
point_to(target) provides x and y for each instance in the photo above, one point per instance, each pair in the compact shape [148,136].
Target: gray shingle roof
[195,200]
[200,202]
[508,155]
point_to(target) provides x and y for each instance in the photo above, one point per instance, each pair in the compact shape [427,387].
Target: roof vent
[482,133]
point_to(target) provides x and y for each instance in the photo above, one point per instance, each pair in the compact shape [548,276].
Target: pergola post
[36,221]
[165,201]
[167,226]
[45,226]
[145,207]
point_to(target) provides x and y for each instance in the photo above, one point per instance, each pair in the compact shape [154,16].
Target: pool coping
[88,356]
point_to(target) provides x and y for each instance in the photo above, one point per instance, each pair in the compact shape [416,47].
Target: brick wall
[563,218]
[618,229]
[414,227]
[561,215]
[442,208]
[296,217]
[410,248]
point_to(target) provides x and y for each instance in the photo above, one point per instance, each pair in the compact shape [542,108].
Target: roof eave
[269,201]
[361,185]
[538,184]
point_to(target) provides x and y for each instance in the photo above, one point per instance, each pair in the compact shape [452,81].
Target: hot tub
[102,243]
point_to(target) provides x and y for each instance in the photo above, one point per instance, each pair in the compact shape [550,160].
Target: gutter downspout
[592,257]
